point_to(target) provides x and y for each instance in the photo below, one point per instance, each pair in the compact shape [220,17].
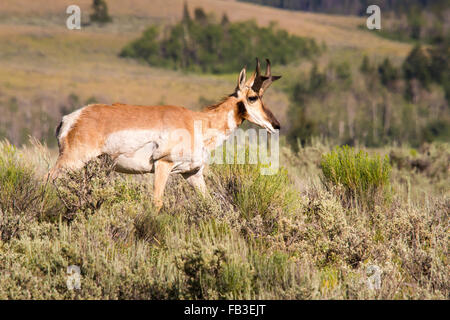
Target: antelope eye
[253,98]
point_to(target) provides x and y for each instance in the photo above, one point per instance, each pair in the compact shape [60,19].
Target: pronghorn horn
[258,67]
[268,69]
[259,79]
[267,80]
[250,82]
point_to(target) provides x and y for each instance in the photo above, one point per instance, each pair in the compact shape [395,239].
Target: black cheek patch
[242,112]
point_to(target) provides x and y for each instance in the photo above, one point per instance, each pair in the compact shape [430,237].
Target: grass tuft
[364,178]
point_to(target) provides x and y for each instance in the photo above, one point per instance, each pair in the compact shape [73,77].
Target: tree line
[355,7]
[204,44]
[376,103]
[406,20]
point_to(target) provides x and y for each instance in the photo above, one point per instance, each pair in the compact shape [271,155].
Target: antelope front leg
[162,172]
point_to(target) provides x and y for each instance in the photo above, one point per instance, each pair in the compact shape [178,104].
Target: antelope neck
[226,116]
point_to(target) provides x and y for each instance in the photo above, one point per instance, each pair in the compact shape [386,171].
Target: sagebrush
[302,242]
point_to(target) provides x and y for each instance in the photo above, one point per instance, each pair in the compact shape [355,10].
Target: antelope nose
[276,126]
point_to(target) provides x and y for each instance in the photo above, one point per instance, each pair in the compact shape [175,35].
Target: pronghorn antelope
[161,139]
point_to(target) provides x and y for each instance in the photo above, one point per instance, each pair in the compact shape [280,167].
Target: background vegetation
[310,232]
[375,104]
[100,12]
[201,44]
[287,236]
[402,20]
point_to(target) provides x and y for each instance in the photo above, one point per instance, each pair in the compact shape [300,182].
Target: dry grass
[42,63]
[335,31]
[86,63]
[307,245]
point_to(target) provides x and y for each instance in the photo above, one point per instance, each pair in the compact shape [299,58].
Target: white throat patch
[231,121]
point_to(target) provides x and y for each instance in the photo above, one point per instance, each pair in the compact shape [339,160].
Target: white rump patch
[68,122]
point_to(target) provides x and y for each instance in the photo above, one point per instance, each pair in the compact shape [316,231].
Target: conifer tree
[100,14]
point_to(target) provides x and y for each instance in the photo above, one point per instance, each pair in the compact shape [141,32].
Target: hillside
[354,7]
[412,20]
[340,31]
[316,229]
[46,69]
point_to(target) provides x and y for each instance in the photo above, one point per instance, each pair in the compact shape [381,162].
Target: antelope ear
[251,81]
[241,79]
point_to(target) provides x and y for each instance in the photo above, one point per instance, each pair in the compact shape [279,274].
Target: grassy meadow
[293,235]
[311,231]
[43,65]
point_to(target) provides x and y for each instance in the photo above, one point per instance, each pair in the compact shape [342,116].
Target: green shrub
[251,192]
[21,194]
[304,247]
[87,189]
[151,226]
[203,273]
[362,177]
[417,66]
[204,45]
[100,13]
[388,73]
